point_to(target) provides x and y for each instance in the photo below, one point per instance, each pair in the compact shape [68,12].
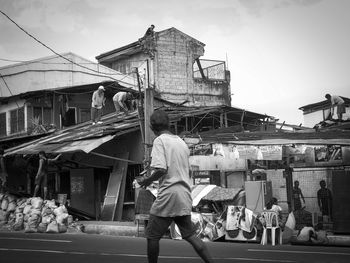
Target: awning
[63,147]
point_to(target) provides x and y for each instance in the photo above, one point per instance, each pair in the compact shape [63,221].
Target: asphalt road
[64,248]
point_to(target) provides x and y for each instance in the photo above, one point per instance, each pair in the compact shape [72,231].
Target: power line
[52,49]
[62,63]
[3,79]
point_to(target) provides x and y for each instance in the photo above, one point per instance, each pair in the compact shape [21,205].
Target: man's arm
[55,159]
[121,102]
[302,196]
[155,175]
[319,200]
[94,99]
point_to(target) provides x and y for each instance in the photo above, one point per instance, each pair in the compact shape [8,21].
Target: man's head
[327,96]
[159,121]
[323,184]
[42,154]
[101,89]
[152,26]
[296,183]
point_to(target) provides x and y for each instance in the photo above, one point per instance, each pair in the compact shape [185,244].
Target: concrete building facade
[171,64]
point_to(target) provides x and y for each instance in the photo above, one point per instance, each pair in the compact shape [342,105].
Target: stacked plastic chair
[271,223]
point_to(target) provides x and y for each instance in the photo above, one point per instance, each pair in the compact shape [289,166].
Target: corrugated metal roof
[322,104]
[86,137]
[340,137]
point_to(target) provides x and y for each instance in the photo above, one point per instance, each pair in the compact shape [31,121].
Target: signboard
[262,152]
[328,153]
[202,149]
[206,177]
[236,151]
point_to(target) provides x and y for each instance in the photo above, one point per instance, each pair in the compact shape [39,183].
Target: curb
[112,229]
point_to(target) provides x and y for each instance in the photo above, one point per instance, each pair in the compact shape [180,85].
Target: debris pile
[34,215]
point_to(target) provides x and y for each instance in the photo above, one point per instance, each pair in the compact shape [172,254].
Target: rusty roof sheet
[85,137]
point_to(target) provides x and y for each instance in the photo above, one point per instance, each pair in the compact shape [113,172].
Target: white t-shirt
[336,100]
[174,195]
[305,233]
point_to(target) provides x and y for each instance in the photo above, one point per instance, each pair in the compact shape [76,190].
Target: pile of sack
[33,215]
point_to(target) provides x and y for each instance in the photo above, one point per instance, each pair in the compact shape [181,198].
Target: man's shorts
[157,226]
[340,108]
[41,180]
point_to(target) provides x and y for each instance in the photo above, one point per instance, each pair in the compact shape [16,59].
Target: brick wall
[174,80]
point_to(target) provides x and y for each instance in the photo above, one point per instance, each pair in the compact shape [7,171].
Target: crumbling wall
[175,55]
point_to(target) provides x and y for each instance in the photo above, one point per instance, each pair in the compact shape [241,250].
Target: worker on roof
[336,101]
[120,100]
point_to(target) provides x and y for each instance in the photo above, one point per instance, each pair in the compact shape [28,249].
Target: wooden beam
[113,192]
[200,68]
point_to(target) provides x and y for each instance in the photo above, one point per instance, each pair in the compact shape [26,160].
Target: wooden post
[223,182]
[148,113]
[140,106]
[242,120]
[221,120]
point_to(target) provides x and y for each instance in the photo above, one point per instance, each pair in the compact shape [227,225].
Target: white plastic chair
[271,222]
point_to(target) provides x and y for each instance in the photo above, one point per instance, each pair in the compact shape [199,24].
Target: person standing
[336,101]
[41,176]
[324,199]
[170,165]
[3,171]
[120,99]
[297,194]
[98,101]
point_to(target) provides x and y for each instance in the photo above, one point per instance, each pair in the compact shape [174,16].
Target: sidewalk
[112,228]
[130,229]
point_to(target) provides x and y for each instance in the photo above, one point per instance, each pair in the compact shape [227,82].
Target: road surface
[17,247]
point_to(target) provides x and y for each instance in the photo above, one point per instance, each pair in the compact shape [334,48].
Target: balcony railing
[212,69]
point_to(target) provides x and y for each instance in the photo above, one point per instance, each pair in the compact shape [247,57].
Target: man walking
[98,101]
[170,165]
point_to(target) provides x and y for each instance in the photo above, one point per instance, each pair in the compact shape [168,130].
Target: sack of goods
[33,215]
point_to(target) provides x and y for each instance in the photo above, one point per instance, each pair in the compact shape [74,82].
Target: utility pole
[140,105]
[148,109]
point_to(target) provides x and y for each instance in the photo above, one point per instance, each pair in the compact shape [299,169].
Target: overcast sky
[282,54]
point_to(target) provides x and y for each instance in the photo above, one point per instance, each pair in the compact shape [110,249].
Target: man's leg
[200,248]
[93,114]
[156,228]
[45,192]
[36,190]
[152,250]
[99,114]
[188,233]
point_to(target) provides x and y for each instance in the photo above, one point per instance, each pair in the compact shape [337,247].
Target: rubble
[35,215]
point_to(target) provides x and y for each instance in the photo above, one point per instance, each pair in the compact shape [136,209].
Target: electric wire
[59,63]
[3,79]
[37,40]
